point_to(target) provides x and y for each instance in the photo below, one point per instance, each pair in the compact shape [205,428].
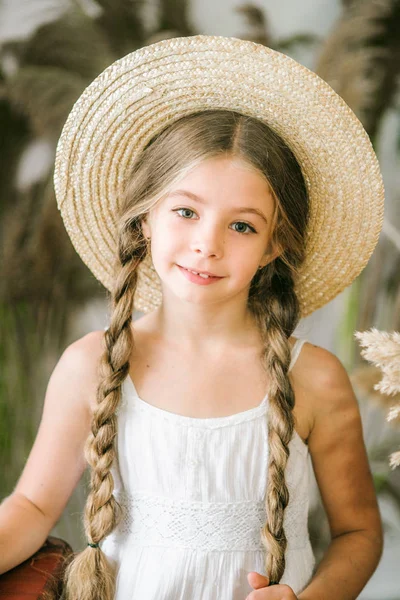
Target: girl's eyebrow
[240,209]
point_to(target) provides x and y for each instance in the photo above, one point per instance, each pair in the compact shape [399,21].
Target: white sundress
[192,491]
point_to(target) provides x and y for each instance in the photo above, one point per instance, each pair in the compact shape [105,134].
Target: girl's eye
[252,230]
[185,209]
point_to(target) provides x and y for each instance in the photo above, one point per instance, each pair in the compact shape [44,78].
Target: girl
[225,191]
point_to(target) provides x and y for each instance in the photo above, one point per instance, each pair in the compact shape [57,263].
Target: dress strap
[297,346]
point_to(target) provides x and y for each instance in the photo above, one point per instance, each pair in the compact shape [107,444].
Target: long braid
[90,576]
[277,311]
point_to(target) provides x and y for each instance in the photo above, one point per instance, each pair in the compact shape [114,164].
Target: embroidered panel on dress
[150,520]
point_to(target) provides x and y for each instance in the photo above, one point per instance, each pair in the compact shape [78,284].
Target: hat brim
[140,94]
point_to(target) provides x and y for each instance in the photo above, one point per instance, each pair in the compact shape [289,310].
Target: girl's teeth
[204,276]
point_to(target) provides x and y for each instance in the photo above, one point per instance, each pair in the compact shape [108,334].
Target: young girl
[225,191]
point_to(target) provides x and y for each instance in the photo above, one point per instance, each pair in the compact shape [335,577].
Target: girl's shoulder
[317,362]
[319,366]
[325,382]
[317,376]
[85,353]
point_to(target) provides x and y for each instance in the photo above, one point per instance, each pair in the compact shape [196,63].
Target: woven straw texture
[140,94]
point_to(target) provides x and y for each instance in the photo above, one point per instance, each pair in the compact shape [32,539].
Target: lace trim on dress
[160,521]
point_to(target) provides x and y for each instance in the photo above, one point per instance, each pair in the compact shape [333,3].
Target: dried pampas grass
[382,349]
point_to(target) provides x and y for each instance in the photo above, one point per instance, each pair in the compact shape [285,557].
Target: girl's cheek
[175,223]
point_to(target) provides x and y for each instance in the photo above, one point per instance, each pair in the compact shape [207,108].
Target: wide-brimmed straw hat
[140,94]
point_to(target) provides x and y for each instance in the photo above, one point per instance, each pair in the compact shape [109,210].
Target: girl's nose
[212,246]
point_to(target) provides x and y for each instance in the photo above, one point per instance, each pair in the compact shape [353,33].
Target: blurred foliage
[259,31]
[360,59]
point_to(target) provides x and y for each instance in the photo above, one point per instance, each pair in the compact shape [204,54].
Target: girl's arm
[56,461]
[345,482]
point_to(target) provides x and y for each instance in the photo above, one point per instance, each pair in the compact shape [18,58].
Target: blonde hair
[272,300]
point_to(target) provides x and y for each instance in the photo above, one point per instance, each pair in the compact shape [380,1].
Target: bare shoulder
[322,369]
[89,347]
[318,376]
[82,358]
[328,383]
[324,380]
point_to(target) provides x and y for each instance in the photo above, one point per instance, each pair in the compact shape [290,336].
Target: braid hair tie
[93,545]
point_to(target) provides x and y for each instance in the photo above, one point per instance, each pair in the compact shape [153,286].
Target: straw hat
[143,92]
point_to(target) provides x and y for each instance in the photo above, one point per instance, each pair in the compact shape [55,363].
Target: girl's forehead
[229,181]
[223,165]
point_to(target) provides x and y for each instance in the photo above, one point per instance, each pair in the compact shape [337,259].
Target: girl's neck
[205,331]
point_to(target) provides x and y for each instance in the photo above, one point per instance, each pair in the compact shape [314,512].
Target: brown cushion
[40,576]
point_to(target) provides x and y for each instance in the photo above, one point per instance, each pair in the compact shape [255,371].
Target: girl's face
[217,219]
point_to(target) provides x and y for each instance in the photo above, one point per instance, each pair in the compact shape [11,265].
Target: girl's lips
[200,272]
[197,279]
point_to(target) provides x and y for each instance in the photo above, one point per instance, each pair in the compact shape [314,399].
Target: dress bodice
[193,492]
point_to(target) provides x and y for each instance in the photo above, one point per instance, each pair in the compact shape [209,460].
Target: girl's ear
[146,227]
[273,251]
